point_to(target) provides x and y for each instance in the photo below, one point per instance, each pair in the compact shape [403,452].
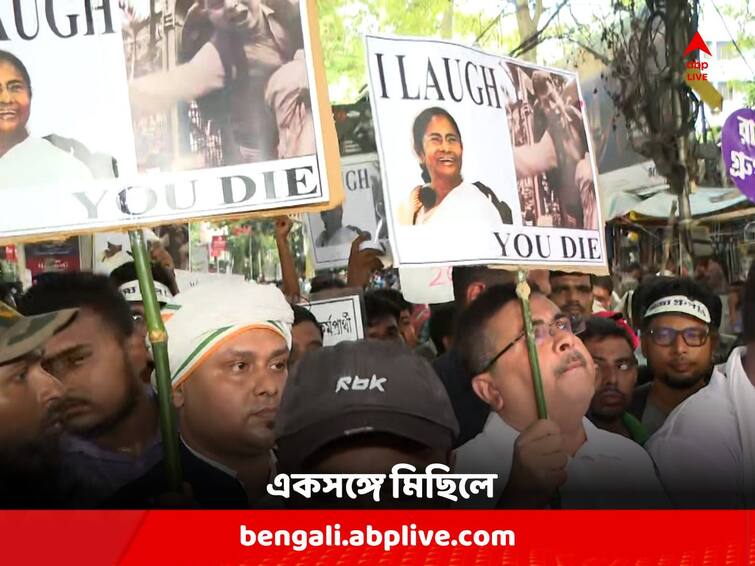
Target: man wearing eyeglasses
[612,350]
[536,459]
[705,452]
[679,336]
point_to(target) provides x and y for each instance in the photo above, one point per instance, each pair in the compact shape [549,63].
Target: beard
[122,412]
[681,382]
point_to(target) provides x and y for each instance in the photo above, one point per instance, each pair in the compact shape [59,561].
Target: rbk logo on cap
[356,383]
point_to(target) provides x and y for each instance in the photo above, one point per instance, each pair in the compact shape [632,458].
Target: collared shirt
[608,471]
[705,452]
[471,411]
[100,472]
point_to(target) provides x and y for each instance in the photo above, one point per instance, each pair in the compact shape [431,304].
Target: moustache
[570,359]
[610,389]
[70,402]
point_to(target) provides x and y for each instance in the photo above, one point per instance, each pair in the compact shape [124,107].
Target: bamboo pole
[158,337]
[523,292]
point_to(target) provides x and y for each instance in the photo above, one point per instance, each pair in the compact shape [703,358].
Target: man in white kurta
[540,461]
[705,451]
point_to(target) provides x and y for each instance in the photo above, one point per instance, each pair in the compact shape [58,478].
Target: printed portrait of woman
[445,197]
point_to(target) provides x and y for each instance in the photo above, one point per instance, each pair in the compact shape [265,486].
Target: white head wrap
[679,304]
[207,315]
[133,293]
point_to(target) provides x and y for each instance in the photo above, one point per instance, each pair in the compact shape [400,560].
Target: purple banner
[738,147]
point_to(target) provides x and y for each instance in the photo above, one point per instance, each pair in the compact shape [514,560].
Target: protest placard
[427,285]
[204,113]
[332,231]
[340,316]
[526,193]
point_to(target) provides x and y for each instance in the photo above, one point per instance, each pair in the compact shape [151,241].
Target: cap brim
[294,448]
[27,333]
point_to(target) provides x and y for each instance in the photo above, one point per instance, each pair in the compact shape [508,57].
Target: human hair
[58,291]
[633,267]
[302,314]
[378,308]
[325,282]
[555,274]
[472,338]
[442,325]
[668,286]
[600,328]
[748,306]
[462,276]
[418,132]
[396,297]
[127,272]
[18,64]
[605,282]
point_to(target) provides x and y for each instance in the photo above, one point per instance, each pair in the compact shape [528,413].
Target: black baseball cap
[362,387]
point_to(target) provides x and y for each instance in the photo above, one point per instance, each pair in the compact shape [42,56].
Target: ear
[487,391]
[475,290]
[178,397]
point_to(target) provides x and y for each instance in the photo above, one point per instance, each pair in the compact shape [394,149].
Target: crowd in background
[648,384]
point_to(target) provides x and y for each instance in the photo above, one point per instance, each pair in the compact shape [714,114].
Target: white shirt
[465,204]
[36,161]
[607,472]
[705,452]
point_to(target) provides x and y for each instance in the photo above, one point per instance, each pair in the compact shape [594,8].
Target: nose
[49,389]
[608,374]
[269,383]
[679,345]
[5,96]
[563,340]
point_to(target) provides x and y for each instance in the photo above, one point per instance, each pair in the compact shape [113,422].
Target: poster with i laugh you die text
[485,159]
[119,114]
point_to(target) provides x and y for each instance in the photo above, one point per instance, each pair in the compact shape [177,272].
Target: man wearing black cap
[361,408]
[29,415]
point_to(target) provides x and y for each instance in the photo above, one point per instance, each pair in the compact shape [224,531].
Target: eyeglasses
[542,333]
[693,336]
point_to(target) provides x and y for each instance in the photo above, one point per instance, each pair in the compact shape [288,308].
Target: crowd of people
[650,393]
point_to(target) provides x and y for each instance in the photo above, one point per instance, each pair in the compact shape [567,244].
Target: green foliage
[343,24]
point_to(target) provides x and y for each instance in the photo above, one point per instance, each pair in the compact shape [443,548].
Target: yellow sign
[706,91]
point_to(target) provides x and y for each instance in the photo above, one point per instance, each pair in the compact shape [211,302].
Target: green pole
[158,337]
[523,292]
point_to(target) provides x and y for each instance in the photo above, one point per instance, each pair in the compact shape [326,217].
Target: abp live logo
[695,69]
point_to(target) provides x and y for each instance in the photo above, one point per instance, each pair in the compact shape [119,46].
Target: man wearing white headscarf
[228,344]
[705,451]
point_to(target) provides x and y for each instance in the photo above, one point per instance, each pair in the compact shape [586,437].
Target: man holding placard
[536,458]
